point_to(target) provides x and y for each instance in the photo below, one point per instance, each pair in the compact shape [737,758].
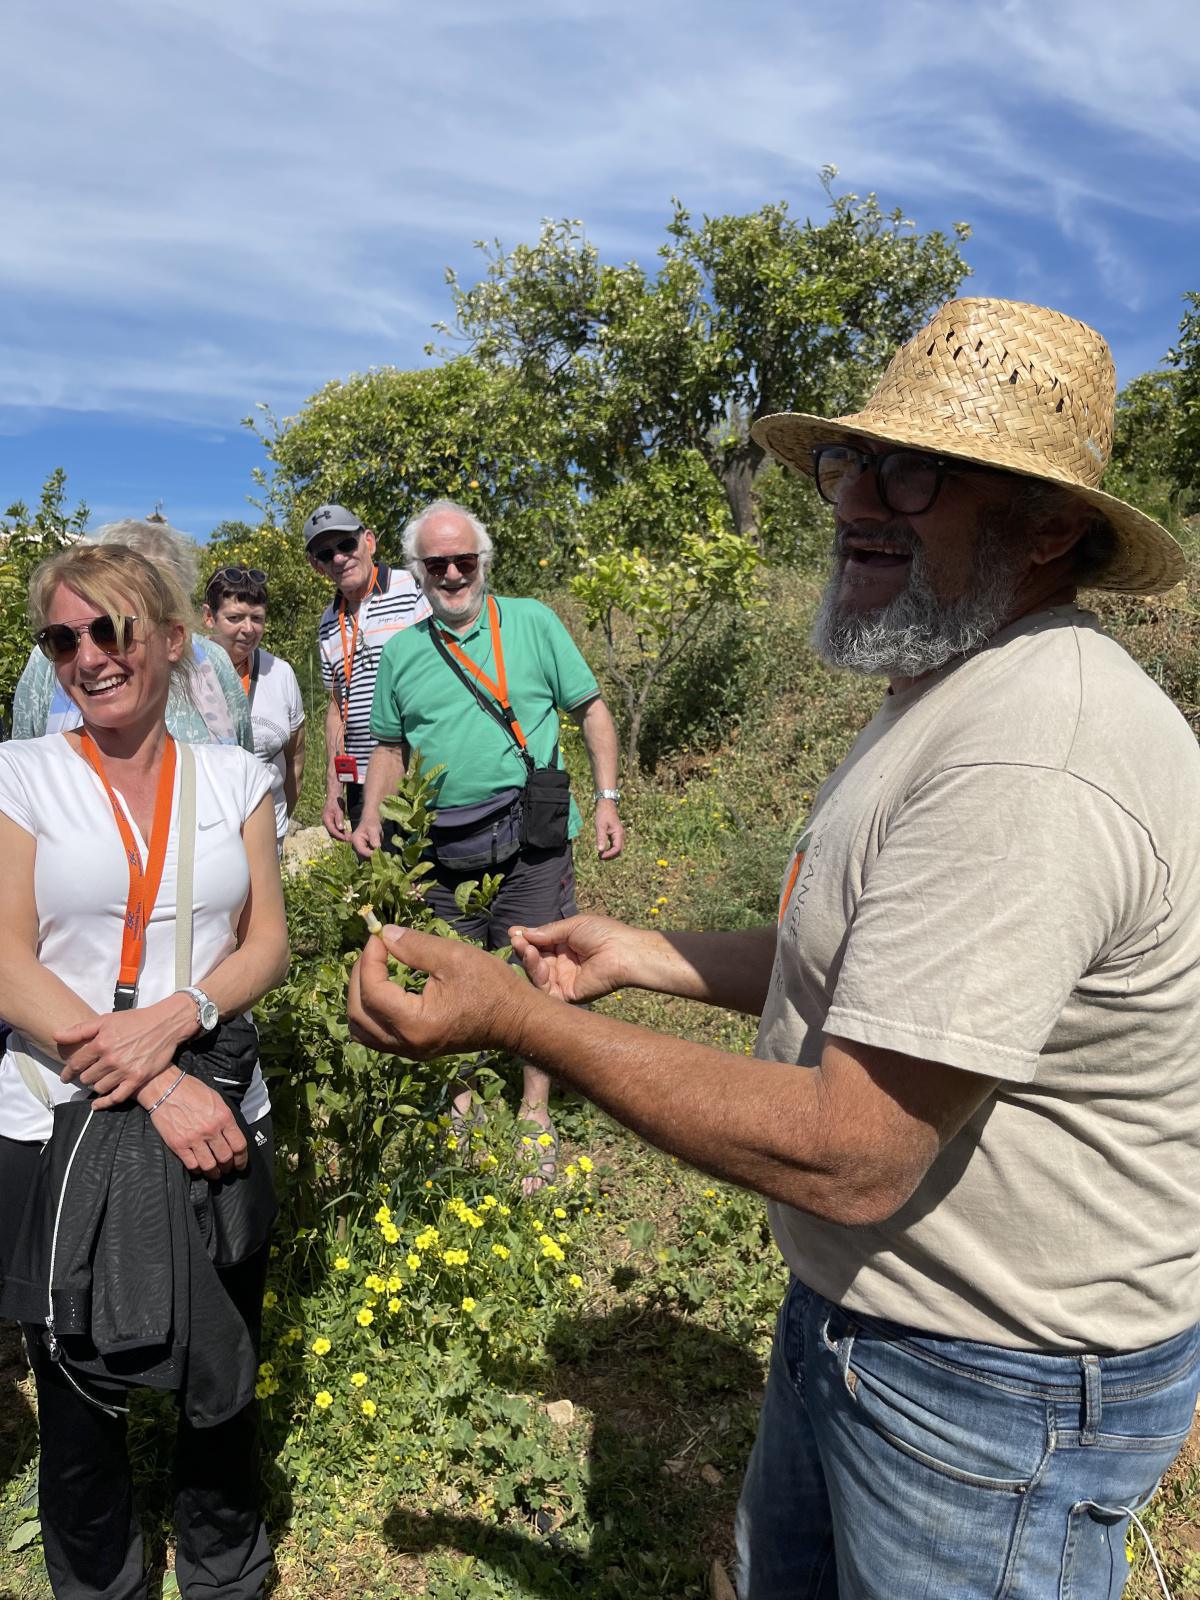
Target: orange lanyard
[499,689]
[143,883]
[349,649]
[250,677]
[797,863]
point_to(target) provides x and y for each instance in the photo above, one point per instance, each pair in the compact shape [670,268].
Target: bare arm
[586,957]
[848,1140]
[332,817]
[293,769]
[600,740]
[36,1002]
[385,773]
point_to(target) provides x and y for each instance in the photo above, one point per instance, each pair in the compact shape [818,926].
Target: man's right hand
[581,958]
[366,839]
[333,817]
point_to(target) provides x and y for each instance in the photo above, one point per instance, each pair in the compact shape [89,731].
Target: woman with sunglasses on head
[235,614]
[105,831]
[206,707]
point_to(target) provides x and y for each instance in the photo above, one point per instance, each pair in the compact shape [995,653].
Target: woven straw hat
[1005,385]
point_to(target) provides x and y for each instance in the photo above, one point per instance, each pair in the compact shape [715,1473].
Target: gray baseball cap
[329,519]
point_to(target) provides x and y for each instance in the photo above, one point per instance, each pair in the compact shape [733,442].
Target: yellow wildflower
[270,1299]
[322,1399]
[550,1249]
[383,1215]
[559,1213]
[425,1239]
[468,1304]
[374,1282]
[341,1264]
[500,1250]
[506,1211]
[653,911]
[321,1346]
[661,901]
[393,1304]
[391,1233]
[365,1317]
[585,1164]
[358,1379]
[451,1142]
[368,1408]
[575,1281]
[661,862]
[412,1262]
[455,1258]
[489,1201]
[545,1140]
[395,1283]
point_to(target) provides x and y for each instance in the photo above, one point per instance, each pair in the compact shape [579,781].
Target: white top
[81,885]
[276,711]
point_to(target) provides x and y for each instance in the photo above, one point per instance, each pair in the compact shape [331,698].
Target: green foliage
[746,315]
[387,442]
[26,539]
[657,558]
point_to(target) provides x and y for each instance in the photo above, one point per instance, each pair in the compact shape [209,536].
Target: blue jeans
[894,1465]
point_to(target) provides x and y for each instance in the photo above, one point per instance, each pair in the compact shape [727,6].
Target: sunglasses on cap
[60,641]
[906,481]
[339,547]
[439,566]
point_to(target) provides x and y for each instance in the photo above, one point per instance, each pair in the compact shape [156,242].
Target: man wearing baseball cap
[372,602]
[975,1108]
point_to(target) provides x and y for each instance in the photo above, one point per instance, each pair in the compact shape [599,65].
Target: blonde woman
[90,834]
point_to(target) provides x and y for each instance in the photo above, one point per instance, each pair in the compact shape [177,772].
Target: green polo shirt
[421,703]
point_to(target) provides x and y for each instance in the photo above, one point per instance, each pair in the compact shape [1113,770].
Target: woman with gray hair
[206,705]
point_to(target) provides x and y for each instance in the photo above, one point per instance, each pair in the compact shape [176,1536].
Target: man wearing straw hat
[987,959]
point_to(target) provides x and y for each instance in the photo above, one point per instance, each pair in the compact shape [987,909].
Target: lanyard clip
[124,996]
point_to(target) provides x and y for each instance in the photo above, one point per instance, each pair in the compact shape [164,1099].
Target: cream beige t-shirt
[1004,876]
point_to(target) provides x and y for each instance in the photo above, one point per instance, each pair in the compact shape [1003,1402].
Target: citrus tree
[27,537]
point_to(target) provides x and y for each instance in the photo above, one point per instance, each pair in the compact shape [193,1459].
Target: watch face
[209,1015]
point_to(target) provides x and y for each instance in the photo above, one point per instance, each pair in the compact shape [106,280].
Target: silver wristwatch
[206,1010]
[608,794]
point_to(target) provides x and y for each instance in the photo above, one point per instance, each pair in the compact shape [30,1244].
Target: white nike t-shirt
[81,885]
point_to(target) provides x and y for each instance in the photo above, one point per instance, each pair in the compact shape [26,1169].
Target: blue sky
[208,204]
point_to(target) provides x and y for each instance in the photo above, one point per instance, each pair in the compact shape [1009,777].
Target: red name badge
[346,768]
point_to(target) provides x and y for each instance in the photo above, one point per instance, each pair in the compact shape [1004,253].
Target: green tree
[387,442]
[27,538]
[657,558]
[745,315]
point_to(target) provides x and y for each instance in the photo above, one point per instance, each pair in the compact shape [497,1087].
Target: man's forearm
[722,969]
[333,746]
[385,774]
[600,741]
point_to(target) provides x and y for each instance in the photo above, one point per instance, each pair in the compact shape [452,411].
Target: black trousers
[90,1530]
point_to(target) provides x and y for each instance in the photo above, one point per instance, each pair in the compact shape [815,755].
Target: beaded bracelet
[166,1094]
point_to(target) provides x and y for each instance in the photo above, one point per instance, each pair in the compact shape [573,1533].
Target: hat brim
[1147,559]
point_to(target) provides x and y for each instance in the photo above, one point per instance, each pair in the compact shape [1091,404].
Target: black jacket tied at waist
[118,1250]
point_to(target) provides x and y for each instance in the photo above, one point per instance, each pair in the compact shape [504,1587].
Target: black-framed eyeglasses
[339,547]
[59,642]
[907,481]
[439,566]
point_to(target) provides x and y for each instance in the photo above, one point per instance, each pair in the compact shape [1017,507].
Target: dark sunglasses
[907,481]
[239,575]
[340,547]
[439,566]
[60,641]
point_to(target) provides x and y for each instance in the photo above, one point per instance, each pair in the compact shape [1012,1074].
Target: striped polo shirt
[396,603]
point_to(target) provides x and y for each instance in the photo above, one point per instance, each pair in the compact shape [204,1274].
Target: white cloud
[209,203]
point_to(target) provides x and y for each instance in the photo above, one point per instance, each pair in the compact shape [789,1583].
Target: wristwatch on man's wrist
[207,1014]
[608,794]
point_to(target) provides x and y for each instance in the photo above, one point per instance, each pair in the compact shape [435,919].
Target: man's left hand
[610,830]
[471,1000]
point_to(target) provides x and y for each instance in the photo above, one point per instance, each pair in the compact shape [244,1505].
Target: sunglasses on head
[60,641]
[240,575]
[439,566]
[340,547]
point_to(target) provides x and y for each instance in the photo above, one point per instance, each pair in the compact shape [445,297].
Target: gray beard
[916,632]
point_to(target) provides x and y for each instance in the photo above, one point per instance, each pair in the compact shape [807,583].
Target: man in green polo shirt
[445,702]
